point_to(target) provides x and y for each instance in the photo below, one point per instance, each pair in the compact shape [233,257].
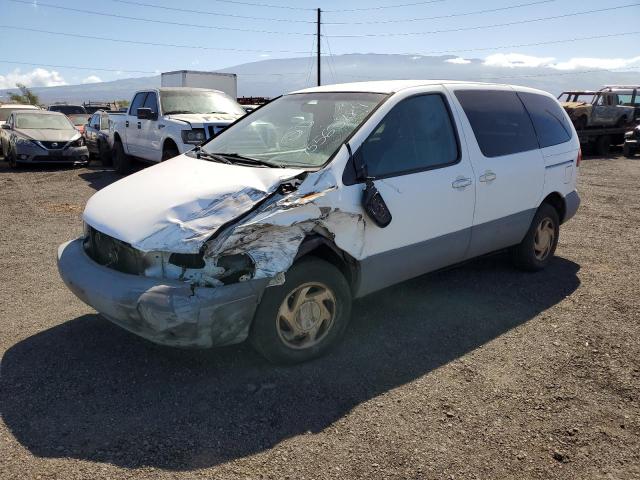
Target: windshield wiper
[237,158]
[201,154]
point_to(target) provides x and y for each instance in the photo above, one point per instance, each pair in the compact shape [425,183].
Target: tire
[581,123]
[121,161]
[272,335]
[536,250]
[11,158]
[603,144]
[169,151]
[104,155]
[627,151]
[622,122]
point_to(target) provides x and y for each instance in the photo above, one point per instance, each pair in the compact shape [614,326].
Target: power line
[382,7]
[153,44]
[209,12]
[437,17]
[149,20]
[481,27]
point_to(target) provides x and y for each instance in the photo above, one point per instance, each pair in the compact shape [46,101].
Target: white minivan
[271,228]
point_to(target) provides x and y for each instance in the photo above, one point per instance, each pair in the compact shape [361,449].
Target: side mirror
[372,202]
[6,126]
[146,114]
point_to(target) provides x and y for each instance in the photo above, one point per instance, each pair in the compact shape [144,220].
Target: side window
[104,122]
[138,102]
[499,121]
[417,134]
[151,102]
[95,121]
[550,122]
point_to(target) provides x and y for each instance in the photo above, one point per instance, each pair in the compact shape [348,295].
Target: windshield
[78,119]
[579,97]
[302,130]
[198,101]
[5,112]
[45,121]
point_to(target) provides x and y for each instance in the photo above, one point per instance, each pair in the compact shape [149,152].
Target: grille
[50,145]
[113,253]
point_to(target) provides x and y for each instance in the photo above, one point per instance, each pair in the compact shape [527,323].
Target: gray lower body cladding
[166,312]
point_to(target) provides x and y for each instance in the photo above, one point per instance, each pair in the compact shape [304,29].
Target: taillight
[579,159]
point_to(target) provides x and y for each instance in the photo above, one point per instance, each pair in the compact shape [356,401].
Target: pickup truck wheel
[104,154]
[169,151]
[603,144]
[539,245]
[121,161]
[304,317]
[581,123]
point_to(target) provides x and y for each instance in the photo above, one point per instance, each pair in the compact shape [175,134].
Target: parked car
[269,229]
[79,120]
[42,137]
[628,95]
[93,107]
[593,109]
[67,109]
[631,142]
[6,110]
[163,123]
[96,136]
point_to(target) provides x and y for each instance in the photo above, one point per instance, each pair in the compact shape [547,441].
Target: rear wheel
[121,161]
[539,244]
[304,317]
[104,155]
[603,144]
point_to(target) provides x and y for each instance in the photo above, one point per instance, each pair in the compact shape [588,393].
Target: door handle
[139,125]
[460,183]
[487,176]
[126,124]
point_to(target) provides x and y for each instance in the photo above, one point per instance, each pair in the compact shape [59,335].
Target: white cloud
[514,60]
[38,77]
[458,61]
[607,63]
[92,79]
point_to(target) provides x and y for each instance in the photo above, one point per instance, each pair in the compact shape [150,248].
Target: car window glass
[499,121]
[549,120]
[417,134]
[138,102]
[151,102]
[104,122]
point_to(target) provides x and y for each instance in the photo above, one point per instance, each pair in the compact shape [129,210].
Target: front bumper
[32,153]
[167,312]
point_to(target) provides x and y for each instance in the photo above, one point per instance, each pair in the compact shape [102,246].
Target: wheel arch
[557,201]
[321,247]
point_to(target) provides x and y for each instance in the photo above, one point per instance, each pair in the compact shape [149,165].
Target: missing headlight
[236,268]
[187,260]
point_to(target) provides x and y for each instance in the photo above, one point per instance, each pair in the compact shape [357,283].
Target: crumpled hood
[177,205]
[201,119]
[574,104]
[48,135]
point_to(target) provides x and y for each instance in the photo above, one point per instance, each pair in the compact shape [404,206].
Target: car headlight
[193,137]
[78,143]
[23,141]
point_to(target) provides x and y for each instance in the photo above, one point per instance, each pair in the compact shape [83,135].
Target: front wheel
[539,245]
[121,161]
[11,158]
[627,151]
[304,317]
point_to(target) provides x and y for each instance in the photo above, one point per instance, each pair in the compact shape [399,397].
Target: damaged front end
[207,297]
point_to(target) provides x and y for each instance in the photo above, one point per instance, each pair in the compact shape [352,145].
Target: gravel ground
[477,372]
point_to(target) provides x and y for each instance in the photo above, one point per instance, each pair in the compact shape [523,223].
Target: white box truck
[225,82]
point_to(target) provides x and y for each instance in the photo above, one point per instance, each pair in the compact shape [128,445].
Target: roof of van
[20,105]
[388,86]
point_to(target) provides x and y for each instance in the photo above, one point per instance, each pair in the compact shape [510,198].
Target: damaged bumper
[163,311]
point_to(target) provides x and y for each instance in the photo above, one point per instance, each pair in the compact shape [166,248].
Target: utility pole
[319,77]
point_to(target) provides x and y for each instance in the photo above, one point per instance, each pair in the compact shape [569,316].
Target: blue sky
[295,37]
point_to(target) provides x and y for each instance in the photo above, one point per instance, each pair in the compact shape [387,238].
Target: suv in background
[67,109]
[268,230]
[596,109]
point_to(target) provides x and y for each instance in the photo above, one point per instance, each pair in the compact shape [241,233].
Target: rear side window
[499,121]
[549,120]
[417,134]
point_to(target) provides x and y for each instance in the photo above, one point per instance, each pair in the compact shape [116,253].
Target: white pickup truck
[162,123]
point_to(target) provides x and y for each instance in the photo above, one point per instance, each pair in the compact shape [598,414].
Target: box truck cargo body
[225,82]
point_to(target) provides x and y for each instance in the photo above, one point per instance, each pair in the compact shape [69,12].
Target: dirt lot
[478,372]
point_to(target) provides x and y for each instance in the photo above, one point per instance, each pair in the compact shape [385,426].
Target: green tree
[122,103]
[26,96]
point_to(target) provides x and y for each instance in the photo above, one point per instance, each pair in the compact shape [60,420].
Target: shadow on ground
[86,389]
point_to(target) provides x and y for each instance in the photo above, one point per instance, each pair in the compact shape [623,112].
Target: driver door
[425,178]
